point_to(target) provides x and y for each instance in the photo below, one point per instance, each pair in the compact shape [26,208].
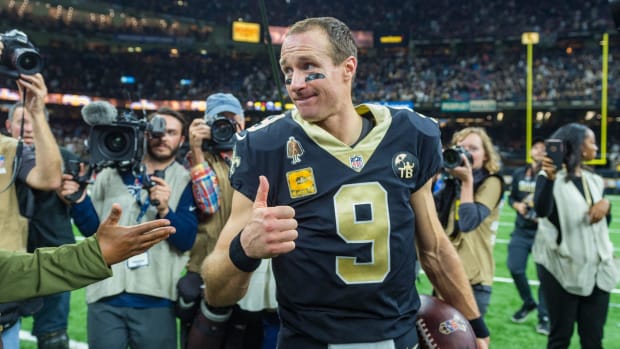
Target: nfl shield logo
[357,162]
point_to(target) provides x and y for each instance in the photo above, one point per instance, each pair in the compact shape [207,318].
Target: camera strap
[586,190]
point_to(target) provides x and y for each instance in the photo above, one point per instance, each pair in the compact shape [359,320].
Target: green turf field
[504,301]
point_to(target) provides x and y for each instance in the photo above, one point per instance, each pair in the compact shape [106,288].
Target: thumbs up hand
[272,230]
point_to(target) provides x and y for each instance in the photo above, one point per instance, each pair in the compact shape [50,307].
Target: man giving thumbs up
[339,197]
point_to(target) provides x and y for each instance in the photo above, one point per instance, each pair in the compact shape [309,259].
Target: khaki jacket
[13,227]
[50,270]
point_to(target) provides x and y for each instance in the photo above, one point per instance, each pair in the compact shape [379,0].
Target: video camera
[223,132]
[118,141]
[122,143]
[19,55]
[452,157]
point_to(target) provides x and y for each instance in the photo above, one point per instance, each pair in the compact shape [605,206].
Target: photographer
[521,199]
[49,225]
[210,157]
[20,164]
[468,207]
[135,306]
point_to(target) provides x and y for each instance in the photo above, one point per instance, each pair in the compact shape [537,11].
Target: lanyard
[143,208]
[143,204]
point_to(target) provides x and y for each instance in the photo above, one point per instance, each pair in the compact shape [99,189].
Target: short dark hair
[175,114]
[339,35]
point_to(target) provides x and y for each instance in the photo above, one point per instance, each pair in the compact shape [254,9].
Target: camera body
[122,143]
[452,157]
[555,151]
[223,132]
[530,214]
[19,55]
[148,183]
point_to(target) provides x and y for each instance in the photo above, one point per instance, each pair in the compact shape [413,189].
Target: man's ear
[350,67]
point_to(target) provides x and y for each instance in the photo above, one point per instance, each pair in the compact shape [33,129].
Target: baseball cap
[222,102]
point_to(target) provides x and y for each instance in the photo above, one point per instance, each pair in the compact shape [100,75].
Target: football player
[339,196]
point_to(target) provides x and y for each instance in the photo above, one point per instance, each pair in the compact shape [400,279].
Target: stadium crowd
[400,76]
[567,63]
[428,20]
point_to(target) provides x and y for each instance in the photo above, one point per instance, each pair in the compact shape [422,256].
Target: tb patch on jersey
[404,164]
[301,182]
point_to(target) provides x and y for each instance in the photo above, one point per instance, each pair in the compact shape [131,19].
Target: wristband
[217,314]
[480,327]
[238,257]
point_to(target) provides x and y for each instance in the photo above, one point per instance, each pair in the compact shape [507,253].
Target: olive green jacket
[50,270]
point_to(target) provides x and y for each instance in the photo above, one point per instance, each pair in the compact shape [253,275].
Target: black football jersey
[351,276]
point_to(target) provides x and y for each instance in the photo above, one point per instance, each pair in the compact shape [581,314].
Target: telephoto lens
[19,55]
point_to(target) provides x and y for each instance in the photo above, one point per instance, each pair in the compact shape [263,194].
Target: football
[441,326]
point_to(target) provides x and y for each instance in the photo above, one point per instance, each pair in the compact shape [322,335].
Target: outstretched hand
[118,243]
[271,230]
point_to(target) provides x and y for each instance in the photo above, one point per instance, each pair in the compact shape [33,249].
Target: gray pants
[112,327]
[482,293]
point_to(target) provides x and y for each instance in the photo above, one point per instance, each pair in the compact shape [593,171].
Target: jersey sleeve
[427,138]
[258,153]
[243,172]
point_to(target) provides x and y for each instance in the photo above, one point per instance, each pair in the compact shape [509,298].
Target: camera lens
[116,142]
[27,61]
[222,130]
[451,158]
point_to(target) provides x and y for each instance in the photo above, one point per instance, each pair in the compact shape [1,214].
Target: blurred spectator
[521,199]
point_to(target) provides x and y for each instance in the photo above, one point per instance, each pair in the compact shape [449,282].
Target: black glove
[189,288]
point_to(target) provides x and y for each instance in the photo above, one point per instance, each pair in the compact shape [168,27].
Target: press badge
[138,261]
[2,165]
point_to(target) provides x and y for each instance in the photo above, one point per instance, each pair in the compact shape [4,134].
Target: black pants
[589,312]
[519,250]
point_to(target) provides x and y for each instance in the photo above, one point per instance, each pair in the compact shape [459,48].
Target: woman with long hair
[573,252]
[469,205]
